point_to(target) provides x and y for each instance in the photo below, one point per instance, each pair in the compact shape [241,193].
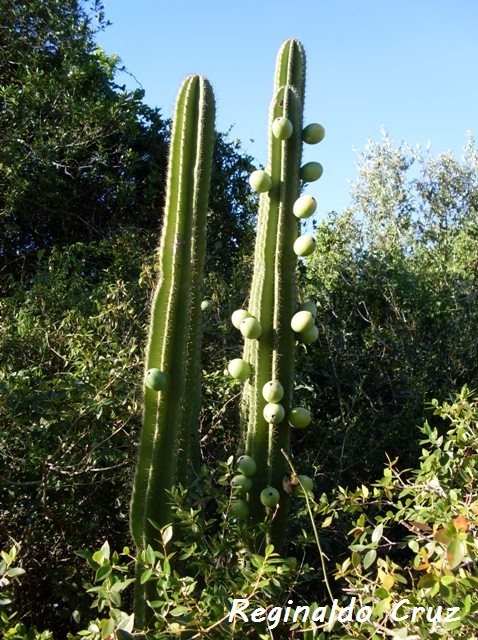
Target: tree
[79,154]
[395,279]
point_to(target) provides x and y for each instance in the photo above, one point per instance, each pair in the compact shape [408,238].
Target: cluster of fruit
[305,205]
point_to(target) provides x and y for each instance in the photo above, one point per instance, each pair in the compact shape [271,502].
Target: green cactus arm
[290,67]
[273,300]
[175,314]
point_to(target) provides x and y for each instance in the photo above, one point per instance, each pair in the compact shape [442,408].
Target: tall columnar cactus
[274,323]
[172,372]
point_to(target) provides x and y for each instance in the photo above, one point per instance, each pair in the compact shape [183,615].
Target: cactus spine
[273,298]
[173,348]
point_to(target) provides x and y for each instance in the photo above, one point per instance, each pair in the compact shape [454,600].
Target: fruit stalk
[172,367]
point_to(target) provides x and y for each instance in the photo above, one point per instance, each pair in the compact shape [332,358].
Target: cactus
[273,297]
[168,446]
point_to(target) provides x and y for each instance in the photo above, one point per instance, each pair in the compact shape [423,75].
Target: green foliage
[411,537]
[79,155]
[395,284]
[195,601]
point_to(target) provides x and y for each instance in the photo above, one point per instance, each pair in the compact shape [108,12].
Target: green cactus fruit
[301,321]
[155,380]
[270,497]
[273,391]
[241,482]
[239,509]
[309,336]
[313,133]
[306,484]
[251,328]
[282,128]
[304,207]
[246,465]
[273,413]
[309,305]
[311,171]
[304,246]
[238,316]
[260,181]
[239,369]
[299,417]
[206,305]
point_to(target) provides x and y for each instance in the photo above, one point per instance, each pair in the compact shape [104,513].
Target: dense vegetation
[395,280]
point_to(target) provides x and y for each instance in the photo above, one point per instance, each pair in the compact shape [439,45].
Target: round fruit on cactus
[311,171]
[273,391]
[239,509]
[241,482]
[246,465]
[239,369]
[299,417]
[282,128]
[260,181]
[304,206]
[206,305]
[238,316]
[155,379]
[273,413]
[251,328]
[306,484]
[301,321]
[309,336]
[313,133]
[269,497]
[304,246]
[309,305]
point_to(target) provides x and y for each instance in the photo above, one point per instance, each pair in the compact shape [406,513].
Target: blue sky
[408,66]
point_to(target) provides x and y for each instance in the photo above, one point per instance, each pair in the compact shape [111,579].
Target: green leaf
[455,552]
[369,558]
[15,571]
[377,533]
[167,534]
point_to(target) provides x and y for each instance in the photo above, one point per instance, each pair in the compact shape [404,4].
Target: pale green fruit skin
[273,391]
[307,484]
[304,207]
[304,246]
[270,497]
[301,321]
[239,369]
[309,305]
[241,482]
[155,380]
[238,316]
[311,171]
[313,133]
[274,413]
[282,128]
[206,305]
[251,328]
[246,465]
[309,336]
[239,509]
[260,181]
[299,418]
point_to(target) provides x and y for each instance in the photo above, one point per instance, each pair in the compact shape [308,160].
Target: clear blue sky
[409,66]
